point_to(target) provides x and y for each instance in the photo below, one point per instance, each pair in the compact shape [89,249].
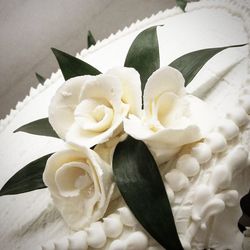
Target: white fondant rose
[81,185]
[171,118]
[88,110]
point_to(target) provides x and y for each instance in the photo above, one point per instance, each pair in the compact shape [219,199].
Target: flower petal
[87,138]
[81,185]
[131,87]
[64,102]
[165,79]
[103,87]
[72,177]
[54,163]
[170,137]
[94,115]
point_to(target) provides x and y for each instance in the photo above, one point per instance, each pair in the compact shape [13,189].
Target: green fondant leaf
[143,54]
[38,127]
[27,179]
[72,66]
[182,4]
[140,183]
[91,39]
[190,64]
[40,78]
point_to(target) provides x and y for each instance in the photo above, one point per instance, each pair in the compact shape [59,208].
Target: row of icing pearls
[213,162]
[189,166]
[198,185]
[118,231]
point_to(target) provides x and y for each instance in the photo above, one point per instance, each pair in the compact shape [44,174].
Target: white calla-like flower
[89,110]
[81,185]
[171,118]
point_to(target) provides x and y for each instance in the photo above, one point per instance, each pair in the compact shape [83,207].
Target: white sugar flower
[88,110]
[80,184]
[171,117]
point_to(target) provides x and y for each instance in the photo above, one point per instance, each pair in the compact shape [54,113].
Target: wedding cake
[205,169]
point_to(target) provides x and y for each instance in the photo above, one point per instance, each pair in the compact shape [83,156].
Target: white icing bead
[229,129]
[112,226]
[222,174]
[221,177]
[176,180]
[188,165]
[96,237]
[238,158]
[137,241]
[202,152]
[117,245]
[127,218]
[245,102]
[239,116]
[78,241]
[216,141]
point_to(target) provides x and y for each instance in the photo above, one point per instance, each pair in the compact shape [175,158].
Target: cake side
[123,40]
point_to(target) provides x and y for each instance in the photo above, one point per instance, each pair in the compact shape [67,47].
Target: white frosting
[188,164]
[78,241]
[202,152]
[176,180]
[216,141]
[112,226]
[137,241]
[228,128]
[239,116]
[202,209]
[96,236]
[117,245]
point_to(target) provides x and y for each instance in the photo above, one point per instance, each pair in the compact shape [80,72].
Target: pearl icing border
[237,159]
[108,231]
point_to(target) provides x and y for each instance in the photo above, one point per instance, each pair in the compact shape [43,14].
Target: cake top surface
[220,83]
